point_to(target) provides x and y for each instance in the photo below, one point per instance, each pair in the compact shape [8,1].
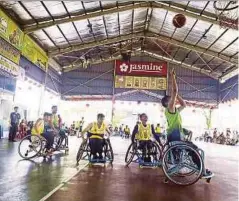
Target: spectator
[81,124]
[59,121]
[29,127]
[14,122]
[215,133]
[121,130]
[22,129]
[127,132]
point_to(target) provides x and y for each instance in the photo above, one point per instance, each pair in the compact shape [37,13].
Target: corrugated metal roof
[78,25]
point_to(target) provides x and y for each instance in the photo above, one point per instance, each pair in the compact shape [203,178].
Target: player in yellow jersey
[158,133]
[144,133]
[38,127]
[56,124]
[127,131]
[55,118]
[96,131]
[43,127]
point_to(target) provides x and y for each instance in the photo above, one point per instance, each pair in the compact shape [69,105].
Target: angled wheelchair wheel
[130,154]
[61,143]
[30,146]
[57,142]
[81,151]
[182,164]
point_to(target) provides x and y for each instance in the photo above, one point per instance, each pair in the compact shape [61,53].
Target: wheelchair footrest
[97,160]
[150,164]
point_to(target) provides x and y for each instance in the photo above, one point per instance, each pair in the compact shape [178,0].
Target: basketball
[179,20]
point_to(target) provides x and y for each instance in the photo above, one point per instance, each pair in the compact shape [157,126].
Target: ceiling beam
[153,55]
[54,64]
[188,46]
[32,28]
[191,12]
[79,47]
[143,35]
[71,68]
[233,71]
[178,63]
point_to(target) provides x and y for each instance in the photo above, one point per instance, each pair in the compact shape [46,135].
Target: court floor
[59,179]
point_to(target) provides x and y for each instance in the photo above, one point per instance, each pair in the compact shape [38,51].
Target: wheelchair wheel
[156,152]
[82,149]
[30,146]
[109,152]
[130,154]
[57,142]
[61,143]
[179,164]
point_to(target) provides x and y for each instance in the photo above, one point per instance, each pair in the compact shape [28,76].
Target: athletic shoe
[95,157]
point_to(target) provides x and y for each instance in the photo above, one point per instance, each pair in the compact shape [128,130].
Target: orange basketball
[179,20]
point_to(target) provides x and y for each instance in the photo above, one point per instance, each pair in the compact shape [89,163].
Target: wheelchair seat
[134,154]
[84,152]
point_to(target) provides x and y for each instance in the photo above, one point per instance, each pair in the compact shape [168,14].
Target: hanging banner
[34,53]
[9,66]
[10,31]
[9,51]
[141,68]
[141,75]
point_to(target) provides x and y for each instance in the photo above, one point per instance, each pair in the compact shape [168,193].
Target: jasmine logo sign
[124,67]
[141,68]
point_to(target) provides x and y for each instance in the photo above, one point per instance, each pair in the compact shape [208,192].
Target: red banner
[141,68]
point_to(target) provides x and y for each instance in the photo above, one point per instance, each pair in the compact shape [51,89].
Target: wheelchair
[135,154]
[182,163]
[84,152]
[34,145]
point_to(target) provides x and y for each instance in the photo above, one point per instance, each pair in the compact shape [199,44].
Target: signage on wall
[141,75]
[9,66]
[10,31]
[14,36]
[9,51]
[34,53]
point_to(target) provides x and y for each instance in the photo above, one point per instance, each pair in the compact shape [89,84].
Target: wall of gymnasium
[95,80]
[53,79]
[229,89]
[7,82]
[99,79]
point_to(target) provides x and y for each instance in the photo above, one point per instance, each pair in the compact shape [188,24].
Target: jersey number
[145,134]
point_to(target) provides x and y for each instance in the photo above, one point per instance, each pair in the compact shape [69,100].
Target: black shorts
[145,143]
[96,145]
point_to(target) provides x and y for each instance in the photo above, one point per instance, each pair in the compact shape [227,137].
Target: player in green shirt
[174,119]
[173,116]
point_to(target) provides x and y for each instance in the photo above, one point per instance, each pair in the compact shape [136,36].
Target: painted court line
[60,185]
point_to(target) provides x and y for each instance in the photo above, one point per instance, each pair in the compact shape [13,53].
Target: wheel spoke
[174,169]
[190,167]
